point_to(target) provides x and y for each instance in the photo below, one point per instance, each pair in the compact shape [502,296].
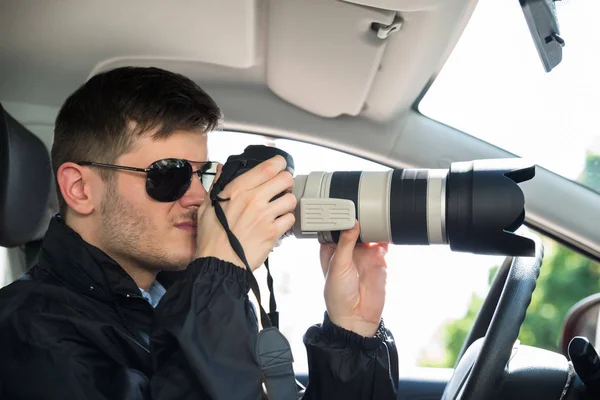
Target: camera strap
[272,348]
[273,313]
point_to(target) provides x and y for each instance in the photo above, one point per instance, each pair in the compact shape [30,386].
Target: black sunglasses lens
[168,179]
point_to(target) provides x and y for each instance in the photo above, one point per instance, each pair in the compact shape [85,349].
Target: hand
[355,277]
[254,219]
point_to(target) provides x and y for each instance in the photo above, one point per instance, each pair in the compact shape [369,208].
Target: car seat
[27,193]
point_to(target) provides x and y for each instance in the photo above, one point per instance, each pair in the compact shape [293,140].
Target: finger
[325,254]
[345,249]
[375,247]
[283,205]
[207,203]
[219,171]
[281,183]
[368,256]
[373,283]
[284,224]
[258,175]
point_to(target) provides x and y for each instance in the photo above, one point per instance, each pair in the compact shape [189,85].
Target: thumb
[217,175]
[345,249]
[325,254]
[207,203]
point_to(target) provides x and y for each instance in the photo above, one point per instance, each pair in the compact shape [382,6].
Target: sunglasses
[167,180]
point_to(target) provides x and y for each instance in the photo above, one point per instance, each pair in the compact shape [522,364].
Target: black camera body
[253,155]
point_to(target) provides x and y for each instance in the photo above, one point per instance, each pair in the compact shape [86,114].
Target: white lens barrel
[374,207]
[436,206]
[397,206]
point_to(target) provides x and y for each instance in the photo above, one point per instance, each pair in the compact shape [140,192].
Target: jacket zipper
[130,334]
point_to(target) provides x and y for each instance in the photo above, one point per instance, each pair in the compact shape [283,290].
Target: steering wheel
[480,370]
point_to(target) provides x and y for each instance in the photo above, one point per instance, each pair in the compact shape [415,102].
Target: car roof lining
[295,49]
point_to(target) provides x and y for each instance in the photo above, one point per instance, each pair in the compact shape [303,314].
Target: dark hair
[101,119]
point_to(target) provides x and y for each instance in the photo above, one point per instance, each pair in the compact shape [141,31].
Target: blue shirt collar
[154,294]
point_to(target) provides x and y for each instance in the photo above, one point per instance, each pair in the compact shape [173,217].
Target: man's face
[133,227]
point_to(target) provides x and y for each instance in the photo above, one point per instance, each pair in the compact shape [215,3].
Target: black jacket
[73,327]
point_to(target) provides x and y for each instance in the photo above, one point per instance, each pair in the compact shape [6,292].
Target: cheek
[134,190]
[133,187]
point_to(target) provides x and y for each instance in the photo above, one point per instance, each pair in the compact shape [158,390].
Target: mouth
[188,226]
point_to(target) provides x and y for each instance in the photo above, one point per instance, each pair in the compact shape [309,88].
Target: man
[138,293]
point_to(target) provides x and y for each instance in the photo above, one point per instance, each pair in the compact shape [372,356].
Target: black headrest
[27,190]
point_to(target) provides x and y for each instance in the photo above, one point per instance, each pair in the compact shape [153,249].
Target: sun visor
[27,194]
[400,5]
[323,55]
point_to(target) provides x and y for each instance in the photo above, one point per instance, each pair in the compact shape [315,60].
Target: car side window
[427,285]
[3,267]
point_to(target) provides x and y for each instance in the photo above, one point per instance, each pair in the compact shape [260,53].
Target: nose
[194,197]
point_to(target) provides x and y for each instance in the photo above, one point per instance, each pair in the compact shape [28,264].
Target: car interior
[347,75]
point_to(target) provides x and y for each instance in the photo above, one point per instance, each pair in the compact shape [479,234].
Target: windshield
[494,87]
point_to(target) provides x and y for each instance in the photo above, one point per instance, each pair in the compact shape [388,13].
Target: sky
[493,87]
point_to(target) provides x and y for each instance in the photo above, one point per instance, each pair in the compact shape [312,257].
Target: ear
[74,183]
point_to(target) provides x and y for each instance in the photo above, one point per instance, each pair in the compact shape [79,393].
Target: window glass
[566,277]
[494,87]
[3,267]
[428,286]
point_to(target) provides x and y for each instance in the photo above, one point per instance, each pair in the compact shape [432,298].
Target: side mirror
[582,320]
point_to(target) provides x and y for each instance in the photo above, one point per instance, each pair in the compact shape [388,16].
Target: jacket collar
[85,267]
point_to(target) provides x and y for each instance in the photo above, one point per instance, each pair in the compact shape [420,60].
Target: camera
[473,206]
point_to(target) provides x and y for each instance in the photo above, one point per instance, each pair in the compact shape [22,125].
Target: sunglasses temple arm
[116,167]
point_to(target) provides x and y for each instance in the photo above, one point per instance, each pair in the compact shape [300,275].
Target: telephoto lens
[474,206]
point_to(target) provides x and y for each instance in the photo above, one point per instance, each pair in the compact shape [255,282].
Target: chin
[179,260]
[182,250]
[184,259]
[174,268]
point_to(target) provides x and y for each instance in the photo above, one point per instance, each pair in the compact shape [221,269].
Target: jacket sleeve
[203,343]
[344,365]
